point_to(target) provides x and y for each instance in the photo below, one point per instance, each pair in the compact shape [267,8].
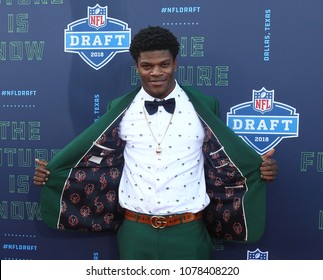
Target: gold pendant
[158,150]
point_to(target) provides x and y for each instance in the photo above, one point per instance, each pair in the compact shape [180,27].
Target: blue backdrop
[261,59]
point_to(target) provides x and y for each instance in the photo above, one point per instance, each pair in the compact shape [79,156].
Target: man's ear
[175,64]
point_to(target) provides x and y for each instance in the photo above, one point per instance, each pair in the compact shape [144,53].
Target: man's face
[156,69]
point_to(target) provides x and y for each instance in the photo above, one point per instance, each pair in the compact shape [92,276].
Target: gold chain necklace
[158,148]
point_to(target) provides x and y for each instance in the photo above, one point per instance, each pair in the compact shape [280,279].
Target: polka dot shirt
[169,182]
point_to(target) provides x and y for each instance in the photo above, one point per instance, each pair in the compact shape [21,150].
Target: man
[170,173]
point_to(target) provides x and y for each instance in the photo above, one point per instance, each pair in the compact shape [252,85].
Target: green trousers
[189,241]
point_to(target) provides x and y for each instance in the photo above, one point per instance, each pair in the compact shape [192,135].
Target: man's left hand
[268,167]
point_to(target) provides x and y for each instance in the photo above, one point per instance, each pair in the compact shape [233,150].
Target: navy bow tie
[152,106]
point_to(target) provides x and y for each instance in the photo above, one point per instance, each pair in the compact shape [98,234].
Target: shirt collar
[175,93]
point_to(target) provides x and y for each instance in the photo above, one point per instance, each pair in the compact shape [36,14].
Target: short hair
[154,38]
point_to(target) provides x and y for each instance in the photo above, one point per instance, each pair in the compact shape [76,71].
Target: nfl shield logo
[263,100]
[257,255]
[97,16]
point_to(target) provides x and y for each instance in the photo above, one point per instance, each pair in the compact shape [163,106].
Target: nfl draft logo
[257,255]
[262,123]
[97,38]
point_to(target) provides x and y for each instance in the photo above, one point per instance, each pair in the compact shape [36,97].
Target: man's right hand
[41,173]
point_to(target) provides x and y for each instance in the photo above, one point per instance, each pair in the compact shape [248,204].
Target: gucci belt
[162,221]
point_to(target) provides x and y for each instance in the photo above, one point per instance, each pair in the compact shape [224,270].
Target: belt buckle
[158,221]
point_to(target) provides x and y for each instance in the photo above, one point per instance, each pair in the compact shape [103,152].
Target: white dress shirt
[173,181]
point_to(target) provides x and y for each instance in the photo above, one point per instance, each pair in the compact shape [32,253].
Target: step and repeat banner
[61,61]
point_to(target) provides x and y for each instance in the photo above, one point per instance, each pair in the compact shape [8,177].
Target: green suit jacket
[82,190]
